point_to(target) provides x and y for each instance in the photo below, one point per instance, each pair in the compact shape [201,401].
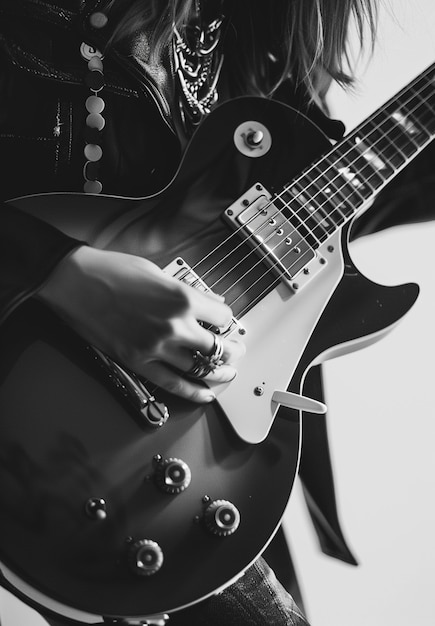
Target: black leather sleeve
[29,251]
[29,248]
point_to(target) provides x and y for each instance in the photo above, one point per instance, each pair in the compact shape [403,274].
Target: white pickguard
[278,330]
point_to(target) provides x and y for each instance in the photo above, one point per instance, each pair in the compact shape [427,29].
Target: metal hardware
[252,139]
[133,389]
[150,620]
[96,509]
[179,269]
[145,557]
[221,518]
[274,237]
[172,475]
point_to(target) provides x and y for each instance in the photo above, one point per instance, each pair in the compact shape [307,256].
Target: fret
[425,109]
[410,106]
[321,208]
[333,190]
[324,201]
[424,89]
[377,149]
[395,142]
[301,213]
[368,179]
[334,198]
[341,195]
[419,101]
[353,175]
[330,196]
[399,127]
[382,145]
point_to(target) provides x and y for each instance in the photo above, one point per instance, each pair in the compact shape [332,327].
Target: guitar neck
[345,180]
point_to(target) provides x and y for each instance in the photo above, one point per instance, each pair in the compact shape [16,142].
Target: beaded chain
[197,67]
[95,122]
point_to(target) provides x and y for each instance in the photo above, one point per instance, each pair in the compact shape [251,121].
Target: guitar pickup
[179,269]
[274,237]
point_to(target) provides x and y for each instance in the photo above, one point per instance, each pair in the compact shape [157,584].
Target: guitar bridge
[179,269]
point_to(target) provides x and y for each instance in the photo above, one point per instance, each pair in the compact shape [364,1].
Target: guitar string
[270,251]
[332,166]
[258,262]
[278,279]
[373,173]
[316,165]
[260,295]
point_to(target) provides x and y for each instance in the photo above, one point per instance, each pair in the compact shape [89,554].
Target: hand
[146,320]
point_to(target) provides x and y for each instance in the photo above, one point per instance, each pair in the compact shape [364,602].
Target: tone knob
[221,518]
[172,475]
[145,557]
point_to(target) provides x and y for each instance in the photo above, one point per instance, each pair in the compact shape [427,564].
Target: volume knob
[172,475]
[222,518]
[145,557]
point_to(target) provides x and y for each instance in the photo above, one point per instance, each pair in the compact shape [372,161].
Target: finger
[209,309]
[169,380]
[185,362]
[182,357]
[222,374]
[215,296]
[234,350]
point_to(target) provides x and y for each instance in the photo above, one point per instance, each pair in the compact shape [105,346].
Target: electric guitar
[122,501]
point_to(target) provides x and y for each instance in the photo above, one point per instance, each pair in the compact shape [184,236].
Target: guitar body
[67,435]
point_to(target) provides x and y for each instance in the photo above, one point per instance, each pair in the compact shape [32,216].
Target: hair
[306,40]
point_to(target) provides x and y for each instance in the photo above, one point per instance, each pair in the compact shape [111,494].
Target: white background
[381,404]
[381,399]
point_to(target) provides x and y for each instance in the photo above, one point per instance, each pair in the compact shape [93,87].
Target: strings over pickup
[275,237]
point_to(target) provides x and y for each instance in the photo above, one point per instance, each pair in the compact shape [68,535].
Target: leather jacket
[42,126]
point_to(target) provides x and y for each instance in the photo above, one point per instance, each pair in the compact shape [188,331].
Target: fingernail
[209,397]
[216,295]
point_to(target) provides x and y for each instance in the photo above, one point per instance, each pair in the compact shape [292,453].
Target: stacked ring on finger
[206,364]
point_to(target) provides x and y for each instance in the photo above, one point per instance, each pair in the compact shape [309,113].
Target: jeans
[255,599]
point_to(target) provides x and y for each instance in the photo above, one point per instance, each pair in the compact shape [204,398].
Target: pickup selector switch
[145,557]
[171,475]
[221,518]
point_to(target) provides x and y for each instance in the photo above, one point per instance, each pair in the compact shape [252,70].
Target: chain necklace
[198,63]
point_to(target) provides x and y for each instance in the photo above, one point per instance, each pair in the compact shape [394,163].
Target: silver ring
[217,351]
[206,364]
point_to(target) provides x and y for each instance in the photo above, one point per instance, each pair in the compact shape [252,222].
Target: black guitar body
[67,435]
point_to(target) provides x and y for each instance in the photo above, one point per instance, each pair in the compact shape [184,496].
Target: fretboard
[345,180]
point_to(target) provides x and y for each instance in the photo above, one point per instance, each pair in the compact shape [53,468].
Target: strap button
[98,19]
